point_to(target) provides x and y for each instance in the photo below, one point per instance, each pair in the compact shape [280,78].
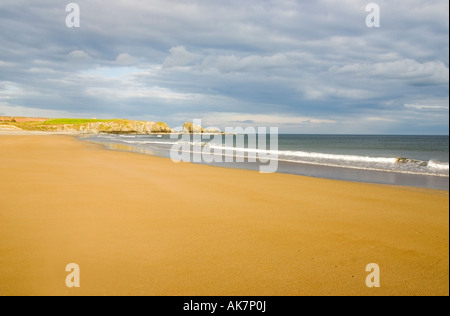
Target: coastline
[143,225]
[286,166]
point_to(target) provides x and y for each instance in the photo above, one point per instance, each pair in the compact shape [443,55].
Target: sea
[417,161]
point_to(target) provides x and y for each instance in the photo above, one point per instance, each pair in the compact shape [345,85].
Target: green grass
[75,121]
[71,124]
[29,126]
[50,124]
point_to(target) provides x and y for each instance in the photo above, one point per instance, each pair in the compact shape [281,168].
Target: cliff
[92,126]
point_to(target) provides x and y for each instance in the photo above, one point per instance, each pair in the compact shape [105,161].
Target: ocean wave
[369,168]
[147,142]
[388,164]
[438,165]
[303,154]
[362,162]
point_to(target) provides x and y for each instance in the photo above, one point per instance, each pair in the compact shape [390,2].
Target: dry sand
[142,225]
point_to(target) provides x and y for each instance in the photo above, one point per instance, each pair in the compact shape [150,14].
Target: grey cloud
[173,60]
[125,59]
[432,72]
[79,55]
[179,56]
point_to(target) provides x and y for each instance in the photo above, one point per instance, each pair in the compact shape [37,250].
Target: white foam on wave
[352,161]
[147,142]
[313,155]
[387,164]
[368,168]
[438,165]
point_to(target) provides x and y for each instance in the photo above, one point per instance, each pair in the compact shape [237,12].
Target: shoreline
[143,225]
[367,176]
[341,173]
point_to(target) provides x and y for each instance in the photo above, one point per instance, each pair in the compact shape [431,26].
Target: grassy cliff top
[76,121]
[94,126]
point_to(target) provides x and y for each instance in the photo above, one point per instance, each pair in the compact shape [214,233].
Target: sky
[310,66]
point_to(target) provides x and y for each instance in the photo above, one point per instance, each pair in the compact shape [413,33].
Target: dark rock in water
[401,160]
[407,160]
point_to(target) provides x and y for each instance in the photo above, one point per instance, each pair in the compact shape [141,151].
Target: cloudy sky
[306,66]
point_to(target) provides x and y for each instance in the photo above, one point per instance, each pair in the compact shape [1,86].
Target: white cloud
[10,90]
[431,104]
[14,110]
[378,119]
[125,59]
[406,69]
[179,56]
[284,59]
[6,64]
[232,63]
[318,92]
[274,119]
[132,91]
[79,55]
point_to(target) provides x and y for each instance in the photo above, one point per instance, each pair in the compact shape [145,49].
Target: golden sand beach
[143,225]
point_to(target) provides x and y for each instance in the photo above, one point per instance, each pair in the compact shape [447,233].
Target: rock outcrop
[113,127]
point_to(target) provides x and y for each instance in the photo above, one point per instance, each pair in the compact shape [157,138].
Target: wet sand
[143,225]
[303,169]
